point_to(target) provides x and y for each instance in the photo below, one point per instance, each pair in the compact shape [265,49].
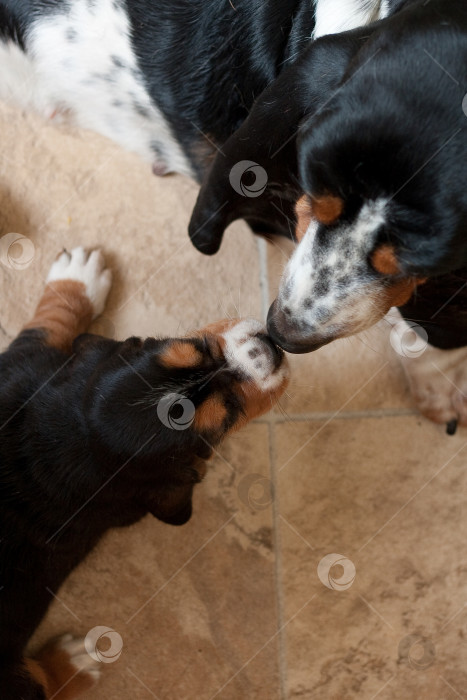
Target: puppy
[95,434]
[375,125]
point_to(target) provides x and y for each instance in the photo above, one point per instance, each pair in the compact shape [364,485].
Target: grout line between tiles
[278,566]
[264,286]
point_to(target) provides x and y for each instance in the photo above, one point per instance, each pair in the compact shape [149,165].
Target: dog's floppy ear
[254,173]
[255,177]
[172,501]
[172,504]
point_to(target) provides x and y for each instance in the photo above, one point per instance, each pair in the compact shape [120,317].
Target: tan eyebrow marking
[327,208]
[181,354]
[210,415]
[63,312]
[384,260]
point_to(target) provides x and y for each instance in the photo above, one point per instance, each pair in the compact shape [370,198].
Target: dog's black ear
[172,503]
[255,176]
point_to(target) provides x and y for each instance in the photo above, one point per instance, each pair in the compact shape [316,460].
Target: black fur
[364,114]
[82,450]
[247,75]
[206,62]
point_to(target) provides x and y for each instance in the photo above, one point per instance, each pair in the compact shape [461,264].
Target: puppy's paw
[88,268]
[75,648]
[438,381]
[69,669]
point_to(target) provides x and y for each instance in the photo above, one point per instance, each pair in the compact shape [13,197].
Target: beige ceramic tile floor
[231,605]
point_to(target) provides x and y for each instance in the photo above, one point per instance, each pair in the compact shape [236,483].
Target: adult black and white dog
[170,80]
[352,108]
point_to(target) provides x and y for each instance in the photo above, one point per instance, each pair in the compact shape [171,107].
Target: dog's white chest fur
[80,62]
[333,16]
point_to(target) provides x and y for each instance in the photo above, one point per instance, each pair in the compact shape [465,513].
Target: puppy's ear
[255,177]
[172,504]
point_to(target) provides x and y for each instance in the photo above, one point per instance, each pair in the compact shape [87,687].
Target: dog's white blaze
[240,341]
[334,16]
[80,60]
[345,303]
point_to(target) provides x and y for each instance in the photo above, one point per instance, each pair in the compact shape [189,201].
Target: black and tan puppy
[96,433]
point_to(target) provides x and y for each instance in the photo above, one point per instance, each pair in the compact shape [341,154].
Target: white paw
[88,268]
[438,381]
[79,657]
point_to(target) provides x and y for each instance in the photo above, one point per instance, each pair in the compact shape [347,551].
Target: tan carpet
[231,605]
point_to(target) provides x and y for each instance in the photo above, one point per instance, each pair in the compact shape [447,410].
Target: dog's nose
[288,335]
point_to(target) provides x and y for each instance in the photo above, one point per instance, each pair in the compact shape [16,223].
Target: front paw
[69,670]
[88,268]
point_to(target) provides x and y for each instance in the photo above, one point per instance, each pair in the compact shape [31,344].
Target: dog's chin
[301,348]
[298,346]
[290,338]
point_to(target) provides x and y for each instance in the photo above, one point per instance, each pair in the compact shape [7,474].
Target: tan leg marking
[63,312]
[58,676]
